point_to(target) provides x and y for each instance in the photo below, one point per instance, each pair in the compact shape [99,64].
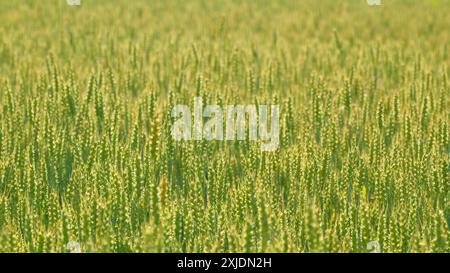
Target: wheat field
[86,153]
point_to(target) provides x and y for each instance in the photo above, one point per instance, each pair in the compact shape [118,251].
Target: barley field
[87,155]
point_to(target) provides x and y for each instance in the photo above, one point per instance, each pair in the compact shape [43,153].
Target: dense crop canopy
[87,156]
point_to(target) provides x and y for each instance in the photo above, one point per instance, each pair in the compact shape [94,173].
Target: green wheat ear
[87,155]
